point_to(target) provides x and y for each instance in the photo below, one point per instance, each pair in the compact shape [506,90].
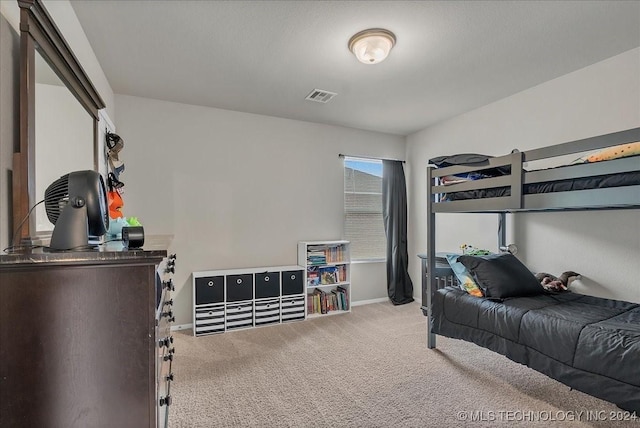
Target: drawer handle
[239,281]
[266,279]
[165,342]
[210,284]
[169,315]
[169,285]
[293,277]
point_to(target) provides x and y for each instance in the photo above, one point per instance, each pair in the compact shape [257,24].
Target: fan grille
[56,197]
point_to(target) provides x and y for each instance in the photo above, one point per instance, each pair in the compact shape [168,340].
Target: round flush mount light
[373,45]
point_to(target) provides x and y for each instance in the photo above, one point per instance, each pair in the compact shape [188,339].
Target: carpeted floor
[369,368]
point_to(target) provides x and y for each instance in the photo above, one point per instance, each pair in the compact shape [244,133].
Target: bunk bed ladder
[430,274]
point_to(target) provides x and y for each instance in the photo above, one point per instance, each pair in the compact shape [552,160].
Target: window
[363,209]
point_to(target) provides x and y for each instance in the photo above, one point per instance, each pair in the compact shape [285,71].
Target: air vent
[320,96]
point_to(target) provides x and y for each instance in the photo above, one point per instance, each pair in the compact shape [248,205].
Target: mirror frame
[37,30]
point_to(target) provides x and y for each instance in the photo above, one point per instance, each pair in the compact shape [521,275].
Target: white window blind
[363,208]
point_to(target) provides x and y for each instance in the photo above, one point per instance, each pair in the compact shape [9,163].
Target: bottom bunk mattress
[588,343]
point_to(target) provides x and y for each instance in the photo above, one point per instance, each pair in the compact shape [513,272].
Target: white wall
[603,246]
[236,189]
[64,133]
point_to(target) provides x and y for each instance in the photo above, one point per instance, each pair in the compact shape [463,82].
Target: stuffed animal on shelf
[556,284]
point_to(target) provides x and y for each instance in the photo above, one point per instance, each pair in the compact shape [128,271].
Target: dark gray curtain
[394,213]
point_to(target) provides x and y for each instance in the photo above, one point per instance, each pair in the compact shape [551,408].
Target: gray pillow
[471,159]
[502,275]
[461,159]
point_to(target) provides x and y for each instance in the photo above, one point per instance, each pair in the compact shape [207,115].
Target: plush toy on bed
[609,153]
[556,284]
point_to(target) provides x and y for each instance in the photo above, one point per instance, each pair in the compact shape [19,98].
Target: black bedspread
[588,343]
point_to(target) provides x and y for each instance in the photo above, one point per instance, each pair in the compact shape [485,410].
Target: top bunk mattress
[623,179]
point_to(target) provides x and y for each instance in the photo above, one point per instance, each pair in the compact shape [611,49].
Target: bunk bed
[590,344]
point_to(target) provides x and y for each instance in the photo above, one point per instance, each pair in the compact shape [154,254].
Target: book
[342,273]
[345,296]
[338,298]
[313,277]
[323,301]
[328,275]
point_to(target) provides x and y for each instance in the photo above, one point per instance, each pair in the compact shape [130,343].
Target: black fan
[76,204]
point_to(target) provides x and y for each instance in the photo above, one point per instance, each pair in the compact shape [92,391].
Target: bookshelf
[327,277]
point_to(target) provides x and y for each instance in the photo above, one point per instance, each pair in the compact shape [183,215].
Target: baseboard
[367,302]
[182,327]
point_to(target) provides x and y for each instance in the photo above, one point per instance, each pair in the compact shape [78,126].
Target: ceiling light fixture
[373,45]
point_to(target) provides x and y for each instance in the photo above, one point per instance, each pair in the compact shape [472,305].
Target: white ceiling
[266,56]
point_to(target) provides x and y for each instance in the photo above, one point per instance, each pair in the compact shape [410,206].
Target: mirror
[39,32]
[64,135]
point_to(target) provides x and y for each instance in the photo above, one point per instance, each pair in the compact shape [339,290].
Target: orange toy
[115,204]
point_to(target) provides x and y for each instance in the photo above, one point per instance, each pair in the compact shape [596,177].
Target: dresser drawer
[164,373]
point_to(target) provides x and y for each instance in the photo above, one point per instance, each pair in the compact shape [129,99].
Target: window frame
[346,159]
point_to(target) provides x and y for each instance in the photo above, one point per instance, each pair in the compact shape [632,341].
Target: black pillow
[502,275]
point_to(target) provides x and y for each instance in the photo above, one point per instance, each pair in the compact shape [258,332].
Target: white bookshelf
[327,277]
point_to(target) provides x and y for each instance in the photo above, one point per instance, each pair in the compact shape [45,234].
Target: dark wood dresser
[85,339]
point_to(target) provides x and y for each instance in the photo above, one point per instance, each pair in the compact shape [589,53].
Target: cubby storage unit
[225,300]
[327,277]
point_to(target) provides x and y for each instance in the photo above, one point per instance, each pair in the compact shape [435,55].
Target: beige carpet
[369,368]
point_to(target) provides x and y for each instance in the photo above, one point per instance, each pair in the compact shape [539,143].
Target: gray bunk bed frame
[592,199]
